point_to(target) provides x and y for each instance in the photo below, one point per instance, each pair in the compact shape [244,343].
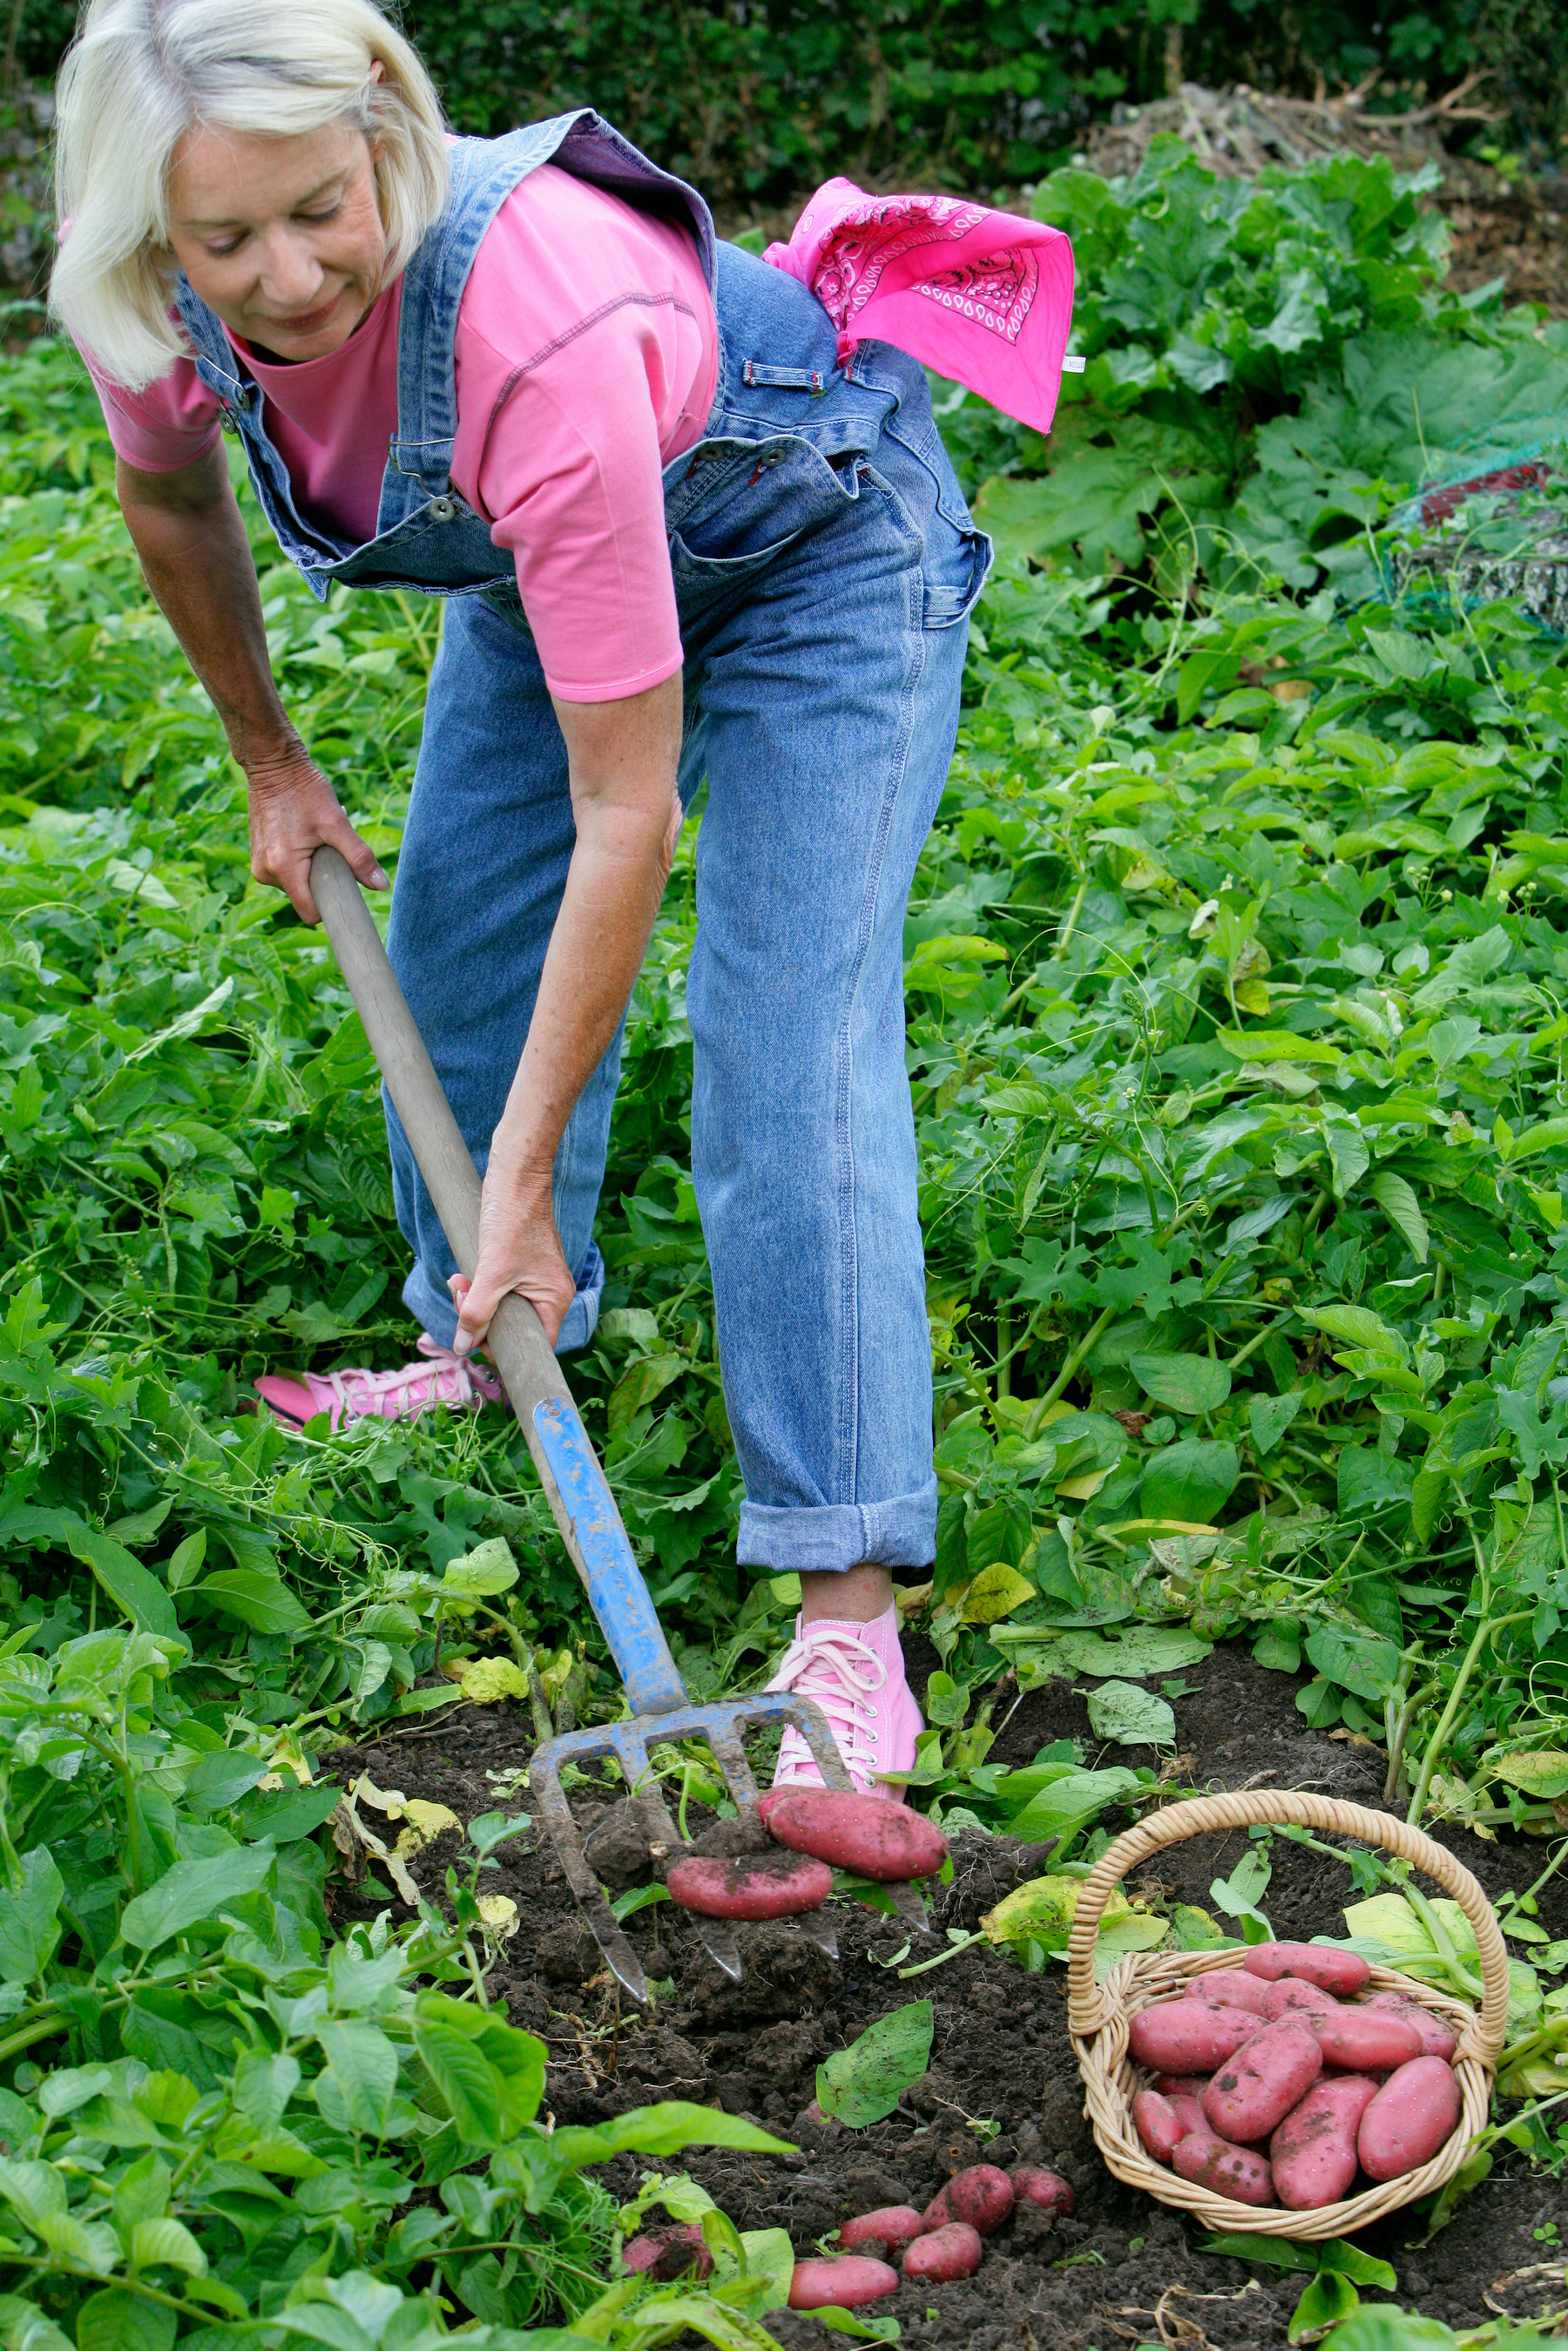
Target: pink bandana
[982,296]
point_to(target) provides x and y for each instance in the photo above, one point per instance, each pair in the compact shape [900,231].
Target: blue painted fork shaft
[573,1481]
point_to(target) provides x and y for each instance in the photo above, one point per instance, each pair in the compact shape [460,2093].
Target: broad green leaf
[769,2255]
[1359,1662]
[1131,1716]
[1270,1416]
[661,2130]
[1135,1654]
[1355,1326]
[864,2082]
[24,2327]
[127,1582]
[167,2244]
[362,2071]
[1190,1480]
[1326,2301]
[1402,1209]
[263,1602]
[482,1573]
[1184,1383]
[994,1593]
[29,1919]
[115,2320]
[467,2080]
[1069,1801]
[1277,1045]
[946,1702]
[219,1780]
[1361,2268]
[191,1892]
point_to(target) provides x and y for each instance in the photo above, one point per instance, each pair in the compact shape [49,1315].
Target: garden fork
[577,1490]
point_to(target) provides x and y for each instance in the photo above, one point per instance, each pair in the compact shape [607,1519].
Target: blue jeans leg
[827,709]
[479,880]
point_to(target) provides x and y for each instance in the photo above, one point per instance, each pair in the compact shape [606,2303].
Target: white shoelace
[830,1664]
[449,1379]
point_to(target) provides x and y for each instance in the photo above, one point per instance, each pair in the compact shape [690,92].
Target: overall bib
[824,566]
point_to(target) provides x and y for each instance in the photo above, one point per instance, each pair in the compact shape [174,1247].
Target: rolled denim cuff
[434,1312]
[840,1535]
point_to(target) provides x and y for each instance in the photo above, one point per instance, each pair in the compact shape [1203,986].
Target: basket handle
[1088,2011]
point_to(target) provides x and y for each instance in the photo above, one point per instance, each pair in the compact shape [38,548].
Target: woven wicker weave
[1098,2017]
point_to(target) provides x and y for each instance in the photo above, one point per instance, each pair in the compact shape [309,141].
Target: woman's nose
[291,276]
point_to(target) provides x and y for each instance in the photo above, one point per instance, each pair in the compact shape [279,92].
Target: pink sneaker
[353,1394]
[855,1673]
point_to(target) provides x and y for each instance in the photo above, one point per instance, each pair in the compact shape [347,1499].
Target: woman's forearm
[187,532]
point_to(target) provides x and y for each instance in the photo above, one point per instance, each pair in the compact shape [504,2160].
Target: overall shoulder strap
[213,352]
[484,174]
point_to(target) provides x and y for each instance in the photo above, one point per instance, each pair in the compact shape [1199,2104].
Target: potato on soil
[868,1835]
[1235,2171]
[1255,2091]
[841,2282]
[1232,1987]
[1313,2153]
[679,2250]
[948,2252]
[980,2194]
[1437,2039]
[1186,2036]
[1417,2108]
[1293,1993]
[1035,2183]
[1341,1972]
[891,2225]
[756,1886]
[1365,2040]
[1158,2123]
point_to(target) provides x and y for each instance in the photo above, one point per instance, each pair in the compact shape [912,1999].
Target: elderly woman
[695,524]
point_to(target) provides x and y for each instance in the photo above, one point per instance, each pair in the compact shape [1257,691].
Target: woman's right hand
[293,811]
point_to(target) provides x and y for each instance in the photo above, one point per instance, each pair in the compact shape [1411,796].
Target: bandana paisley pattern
[996,292]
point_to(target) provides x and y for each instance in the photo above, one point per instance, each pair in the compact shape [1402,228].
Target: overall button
[442,510]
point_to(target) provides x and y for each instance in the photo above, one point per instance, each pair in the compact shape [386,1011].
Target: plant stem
[1069,1370]
[1439,1740]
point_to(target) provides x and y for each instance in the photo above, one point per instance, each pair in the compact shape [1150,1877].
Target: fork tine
[725,1740]
[817,1928]
[549,1800]
[718,1938]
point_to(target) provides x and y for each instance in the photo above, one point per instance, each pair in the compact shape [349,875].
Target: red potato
[1293,1993]
[1365,2040]
[980,2194]
[1158,2125]
[1437,2039]
[1183,2036]
[867,1834]
[1313,2153]
[1035,2183]
[756,1886]
[1189,2112]
[891,2225]
[1235,2171]
[1263,2081]
[1341,1972]
[679,2250]
[1180,2085]
[1417,2108]
[946,2253]
[1233,1987]
[841,2282]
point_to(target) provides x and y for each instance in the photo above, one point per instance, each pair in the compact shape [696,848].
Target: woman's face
[282,237]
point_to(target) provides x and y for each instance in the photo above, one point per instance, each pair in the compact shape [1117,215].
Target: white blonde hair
[140,73]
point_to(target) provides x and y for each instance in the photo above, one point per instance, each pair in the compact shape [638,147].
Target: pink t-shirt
[585,358]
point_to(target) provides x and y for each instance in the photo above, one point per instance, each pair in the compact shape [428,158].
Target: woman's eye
[315,219]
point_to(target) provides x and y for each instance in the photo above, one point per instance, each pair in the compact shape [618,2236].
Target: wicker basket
[1098,2017]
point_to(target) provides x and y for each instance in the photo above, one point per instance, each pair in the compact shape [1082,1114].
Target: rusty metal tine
[548,1799]
[723,1737]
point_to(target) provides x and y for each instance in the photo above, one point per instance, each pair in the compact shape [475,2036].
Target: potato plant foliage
[1237,982]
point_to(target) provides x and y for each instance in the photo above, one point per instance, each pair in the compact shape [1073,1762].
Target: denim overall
[824,566]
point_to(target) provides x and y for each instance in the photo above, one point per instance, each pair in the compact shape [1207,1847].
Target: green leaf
[1362,2269]
[362,2071]
[1326,2300]
[1190,1481]
[515,2058]
[1356,1326]
[1185,1384]
[1402,1210]
[482,1573]
[661,2130]
[192,1893]
[1541,1772]
[115,2320]
[1142,1650]
[167,2244]
[1271,1416]
[866,2326]
[1274,2252]
[219,1780]
[1131,1716]
[946,1702]
[1382,2327]
[769,2255]
[1359,1662]
[1069,1803]
[29,1921]
[1277,1045]
[263,1602]
[864,2082]
[467,2082]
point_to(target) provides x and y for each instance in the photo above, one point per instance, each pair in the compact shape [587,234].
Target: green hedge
[756,99]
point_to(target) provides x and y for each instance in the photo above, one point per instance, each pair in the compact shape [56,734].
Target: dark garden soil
[1122,2270]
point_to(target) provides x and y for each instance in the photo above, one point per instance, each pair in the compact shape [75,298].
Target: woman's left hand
[520,1253]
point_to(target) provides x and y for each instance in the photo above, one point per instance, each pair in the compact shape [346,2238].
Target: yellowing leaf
[1084,1489]
[499,1913]
[390,1801]
[1542,1774]
[994,1593]
[487,1679]
[427,1823]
